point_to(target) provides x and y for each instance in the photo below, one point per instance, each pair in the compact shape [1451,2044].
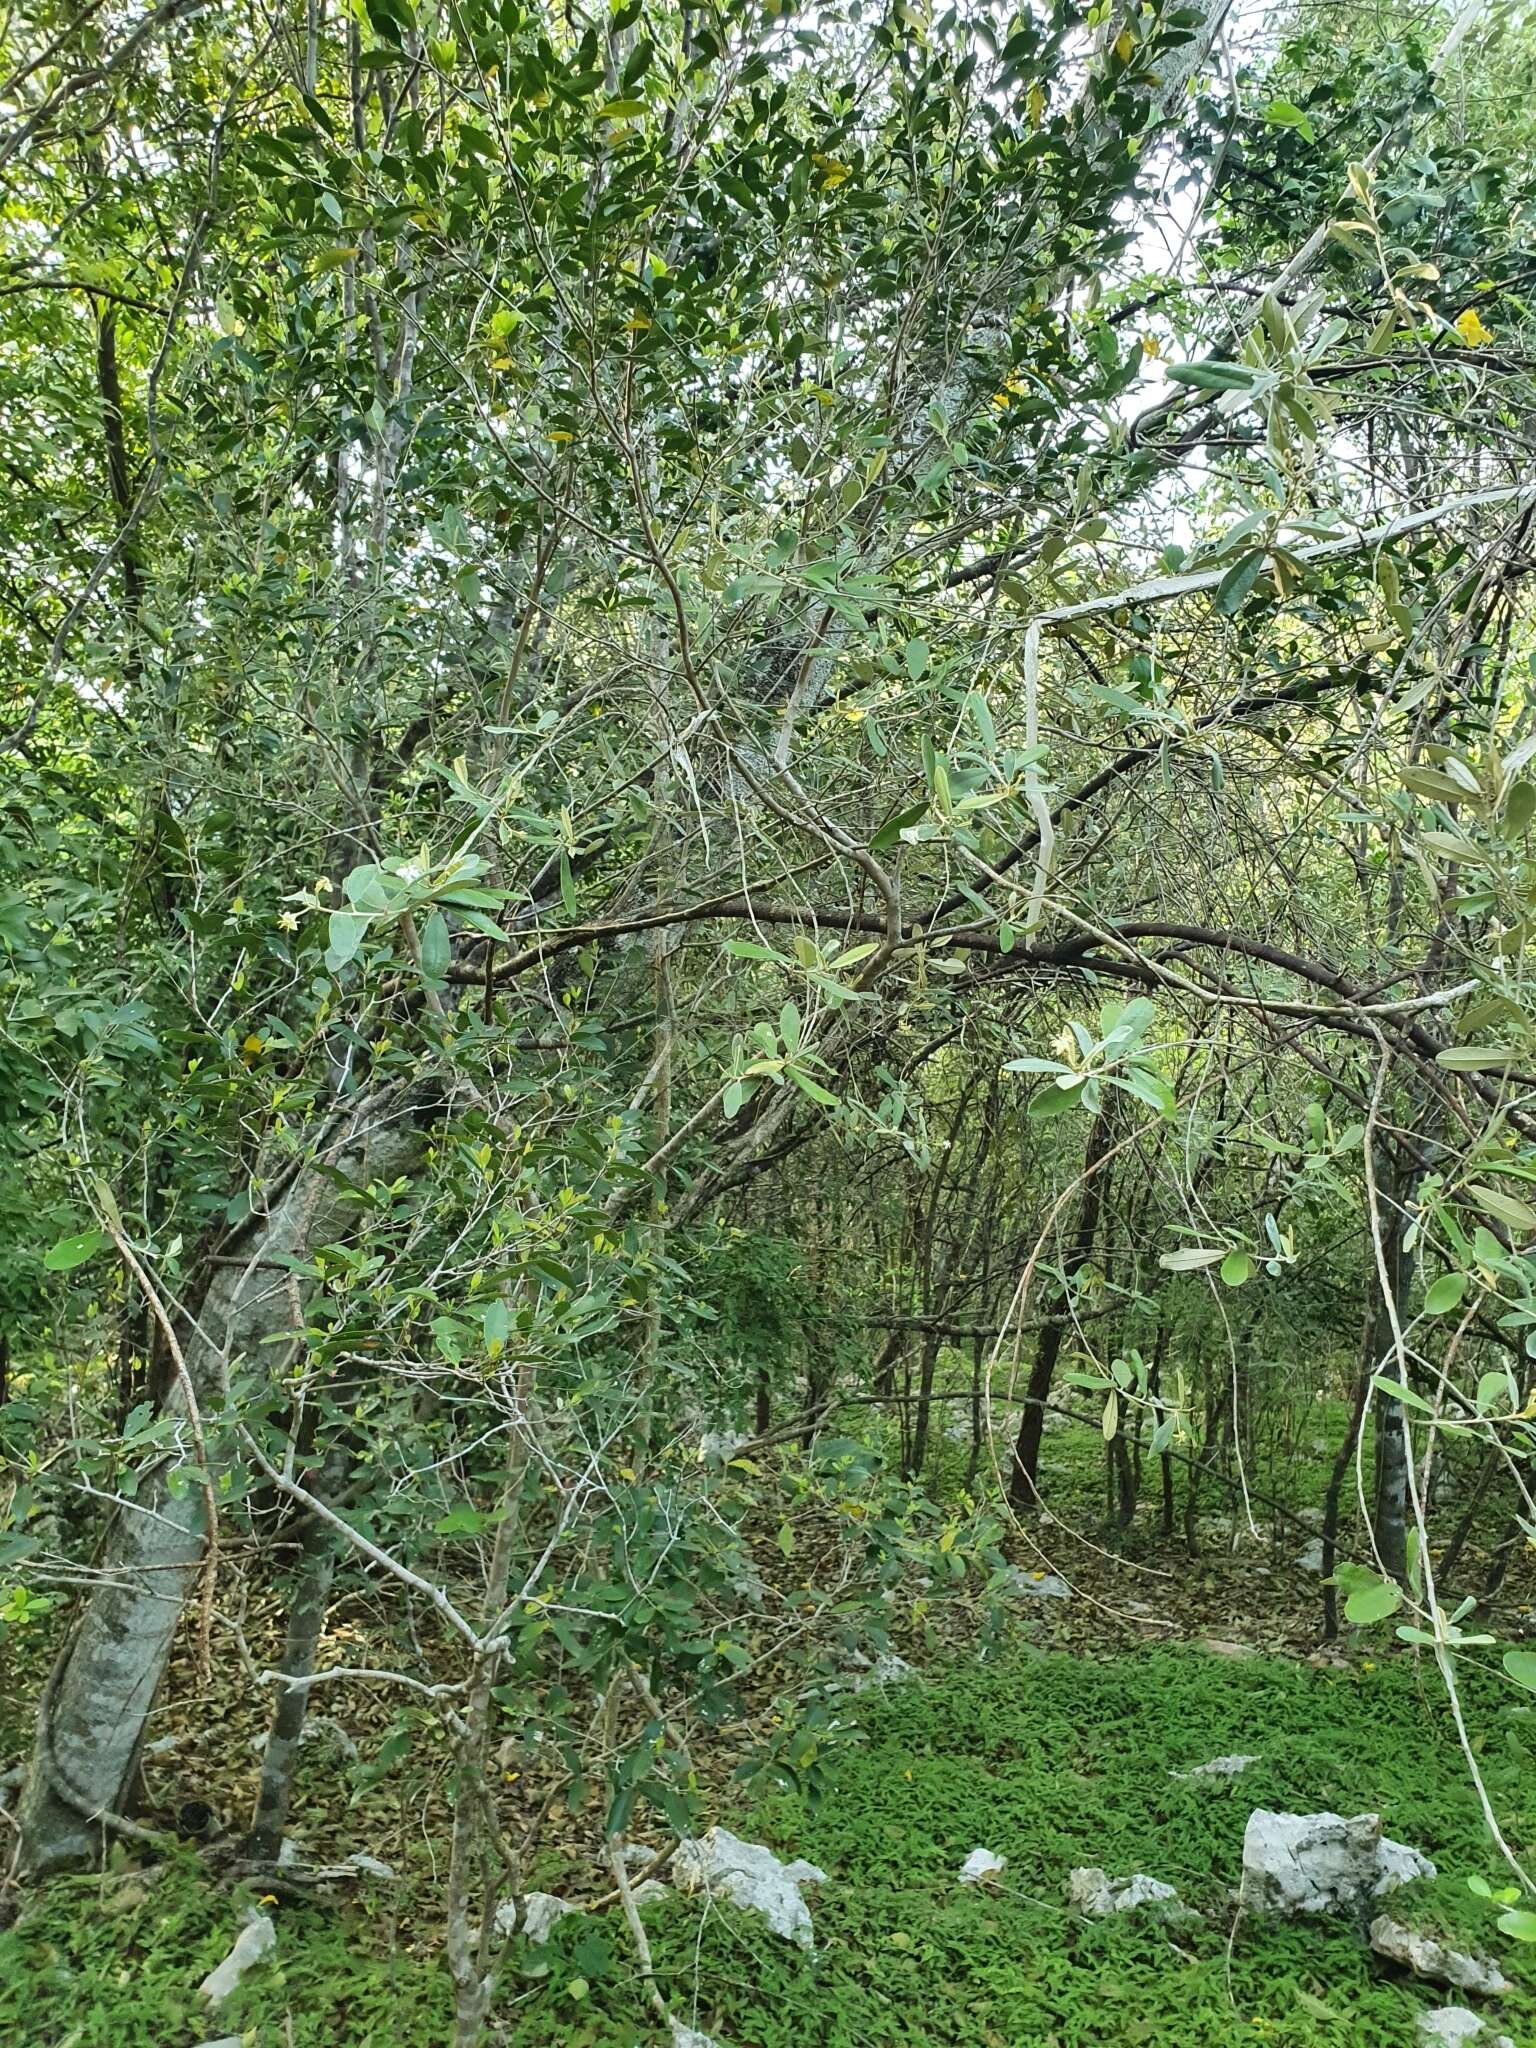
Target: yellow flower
[1151,346]
[1125,42]
[1471,329]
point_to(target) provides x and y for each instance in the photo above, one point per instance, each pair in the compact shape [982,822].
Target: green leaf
[1519,1925]
[1521,1667]
[345,934]
[1282,114]
[1373,1603]
[786,1540]
[1190,1258]
[1237,1268]
[916,658]
[891,831]
[1520,806]
[1476,1059]
[1233,589]
[1214,376]
[1445,1294]
[70,1252]
[813,1089]
[1395,1390]
[1503,1208]
[1147,1087]
[436,949]
[1051,1101]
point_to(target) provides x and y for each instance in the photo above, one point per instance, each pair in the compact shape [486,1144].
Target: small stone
[541,1911]
[887,1669]
[1433,1960]
[1039,1585]
[690,2037]
[722,1444]
[1311,1559]
[649,1892]
[1451,2026]
[1218,1767]
[225,2041]
[1094,1893]
[371,1866]
[256,1939]
[981,1864]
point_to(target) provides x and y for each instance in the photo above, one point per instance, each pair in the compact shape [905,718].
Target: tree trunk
[1343,1459]
[930,1359]
[1389,1515]
[98,1696]
[1023,1485]
[306,1619]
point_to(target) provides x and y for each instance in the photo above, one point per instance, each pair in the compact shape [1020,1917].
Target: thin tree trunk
[1343,1459]
[1024,1483]
[920,1428]
[306,1620]
[1389,1514]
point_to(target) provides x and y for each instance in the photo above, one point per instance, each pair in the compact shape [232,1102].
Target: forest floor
[1055,1752]
[1050,1760]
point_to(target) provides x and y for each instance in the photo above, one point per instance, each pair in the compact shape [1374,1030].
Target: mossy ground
[1049,1760]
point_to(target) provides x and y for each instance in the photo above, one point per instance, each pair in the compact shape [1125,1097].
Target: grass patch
[1050,1760]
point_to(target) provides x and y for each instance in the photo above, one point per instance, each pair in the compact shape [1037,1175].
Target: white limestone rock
[750,1876]
[1433,1960]
[1311,1558]
[1098,1895]
[257,1938]
[1302,1863]
[980,1865]
[1397,1863]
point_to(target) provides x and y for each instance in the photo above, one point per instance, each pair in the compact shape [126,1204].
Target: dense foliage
[741,747]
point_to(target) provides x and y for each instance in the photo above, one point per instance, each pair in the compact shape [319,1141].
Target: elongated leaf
[1502,1207]
[1213,376]
[1190,1258]
[1233,589]
[436,949]
[70,1252]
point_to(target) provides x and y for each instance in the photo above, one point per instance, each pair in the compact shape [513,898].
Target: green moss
[1051,1761]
